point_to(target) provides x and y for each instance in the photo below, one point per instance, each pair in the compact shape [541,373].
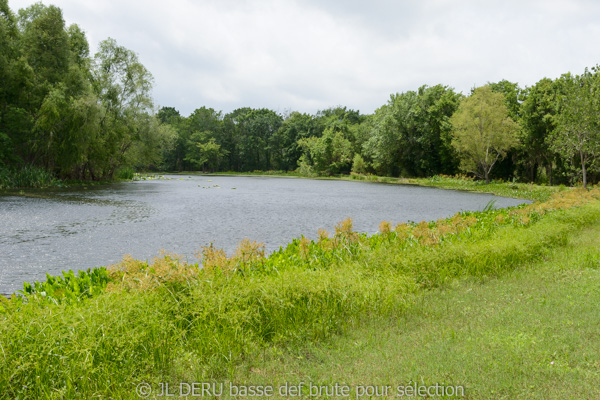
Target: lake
[52,230]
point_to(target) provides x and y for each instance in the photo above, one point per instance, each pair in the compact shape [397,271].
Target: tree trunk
[583,170]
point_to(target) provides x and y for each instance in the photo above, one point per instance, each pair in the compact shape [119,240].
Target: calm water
[55,230]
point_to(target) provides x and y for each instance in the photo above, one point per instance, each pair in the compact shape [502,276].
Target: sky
[309,55]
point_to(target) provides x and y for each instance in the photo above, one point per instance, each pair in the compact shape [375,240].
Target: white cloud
[312,54]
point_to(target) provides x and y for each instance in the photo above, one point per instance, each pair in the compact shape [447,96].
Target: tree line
[85,117]
[78,116]
[546,133]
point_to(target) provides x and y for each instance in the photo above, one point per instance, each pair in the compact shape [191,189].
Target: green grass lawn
[531,334]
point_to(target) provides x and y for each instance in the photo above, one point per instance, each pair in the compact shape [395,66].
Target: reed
[26,177]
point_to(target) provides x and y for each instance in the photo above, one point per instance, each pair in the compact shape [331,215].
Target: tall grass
[26,177]
[126,173]
[168,320]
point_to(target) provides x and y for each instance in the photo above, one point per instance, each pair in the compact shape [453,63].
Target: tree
[253,132]
[538,114]
[8,33]
[205,152]
[513,98]
[410,134]
[483,131]
[384,143]
[174,157]
[286,150]
[122,85]
[577,133]
[154,142]
[71,124]
[359,166]
[331,141]
[46,43]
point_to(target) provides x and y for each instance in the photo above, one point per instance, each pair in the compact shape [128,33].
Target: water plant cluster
[70,288]
[104,331]
[26,177]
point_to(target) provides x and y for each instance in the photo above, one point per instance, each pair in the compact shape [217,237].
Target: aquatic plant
[26,177]
[70,288]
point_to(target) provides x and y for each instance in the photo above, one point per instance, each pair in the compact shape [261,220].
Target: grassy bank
[531,333]
[168,321]
[507,189]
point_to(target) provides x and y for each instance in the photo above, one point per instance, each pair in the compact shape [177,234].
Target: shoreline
[524,191]
[373,179]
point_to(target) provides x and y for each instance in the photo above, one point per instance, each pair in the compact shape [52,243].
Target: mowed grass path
[533,333]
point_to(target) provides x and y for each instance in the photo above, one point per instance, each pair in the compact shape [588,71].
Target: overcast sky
[308,55]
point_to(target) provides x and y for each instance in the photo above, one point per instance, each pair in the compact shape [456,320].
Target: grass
[27,177]
[499,188]
[531,333]
[169,321]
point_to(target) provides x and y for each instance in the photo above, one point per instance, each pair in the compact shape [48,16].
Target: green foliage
[61,111]
[512,96]
[126,173]
[577,133]
[85,118]
[410,134]
[286,149]
[6,150]
[499,188]
[483,131]
[45,43]
[70,288]
[329,154]
[253,134]
[26,177]
[537,121]
[337,137]
[359,166]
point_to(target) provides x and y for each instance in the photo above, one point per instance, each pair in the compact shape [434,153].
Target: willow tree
[123,88]
[483,131]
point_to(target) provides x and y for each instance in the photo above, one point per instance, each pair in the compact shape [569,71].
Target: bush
[359,166]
